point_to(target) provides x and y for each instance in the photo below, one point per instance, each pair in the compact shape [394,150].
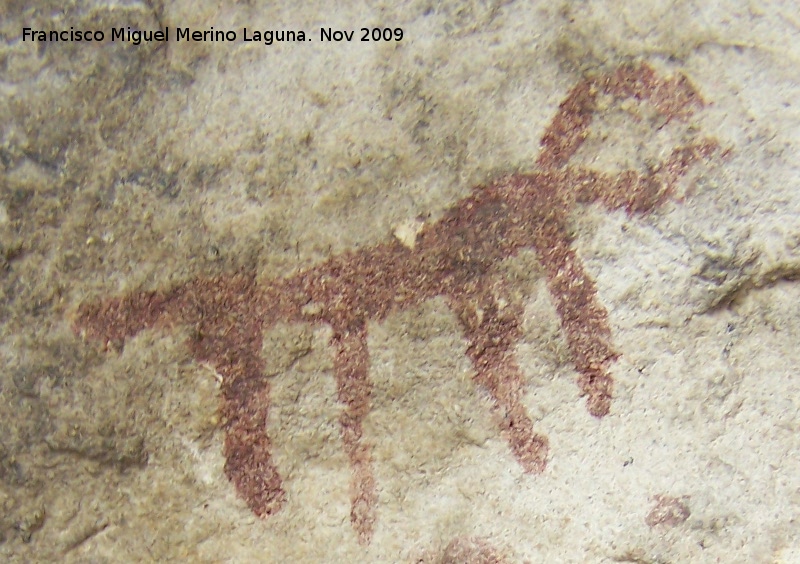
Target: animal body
[455,257]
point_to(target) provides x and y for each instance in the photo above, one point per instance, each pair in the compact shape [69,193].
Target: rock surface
[128,170]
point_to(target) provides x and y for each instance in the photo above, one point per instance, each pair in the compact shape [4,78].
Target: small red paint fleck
[668,511]
[470,550]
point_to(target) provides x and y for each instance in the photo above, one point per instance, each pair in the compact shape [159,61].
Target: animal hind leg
[248,449]
[351,367]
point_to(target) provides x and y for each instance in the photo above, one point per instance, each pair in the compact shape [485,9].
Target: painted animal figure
[455,257]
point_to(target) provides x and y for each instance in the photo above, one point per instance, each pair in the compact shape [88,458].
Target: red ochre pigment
[456,257]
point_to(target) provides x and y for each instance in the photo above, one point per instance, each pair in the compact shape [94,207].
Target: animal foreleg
[583,318]
[492,333]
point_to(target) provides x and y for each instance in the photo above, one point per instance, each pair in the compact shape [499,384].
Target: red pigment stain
[456,257]
[668,511]
[465,550]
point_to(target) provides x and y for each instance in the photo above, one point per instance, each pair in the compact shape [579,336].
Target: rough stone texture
[457,258]
[127,170]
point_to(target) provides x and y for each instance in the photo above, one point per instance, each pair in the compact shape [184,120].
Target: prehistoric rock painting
[456,257]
